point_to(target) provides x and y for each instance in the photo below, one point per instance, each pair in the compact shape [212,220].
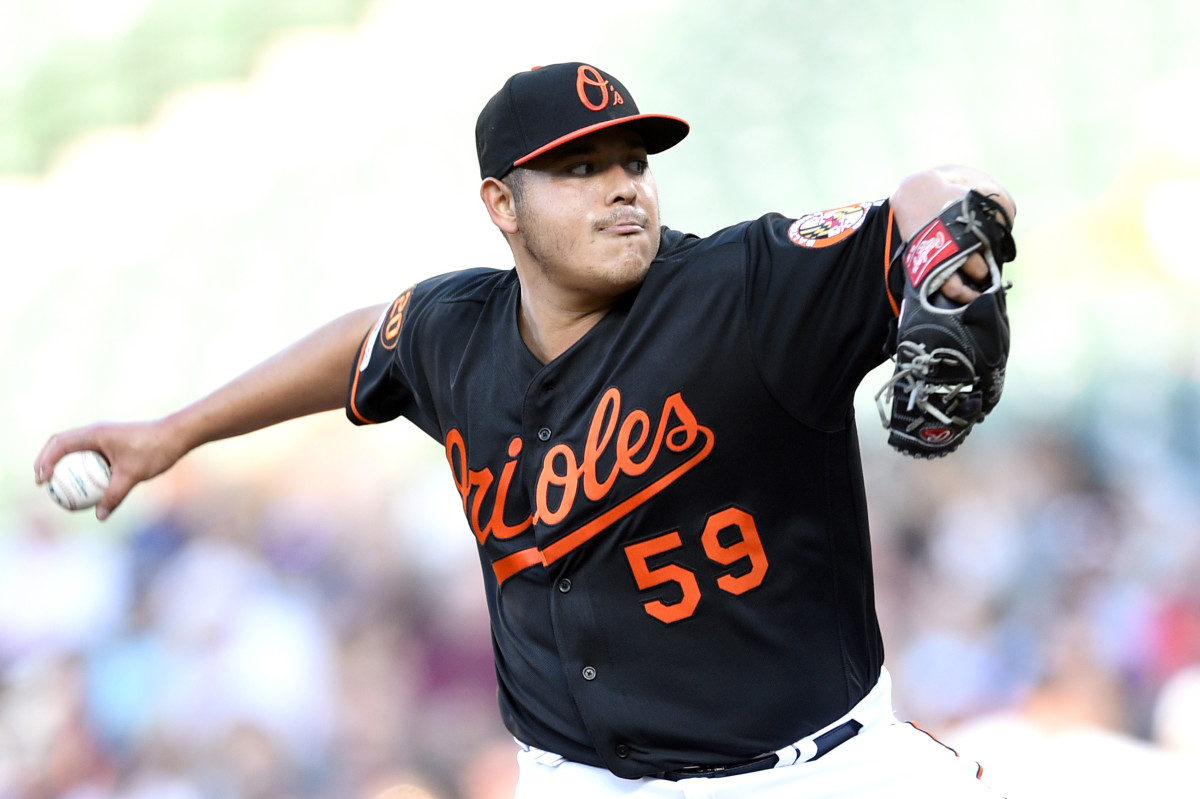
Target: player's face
[588,215]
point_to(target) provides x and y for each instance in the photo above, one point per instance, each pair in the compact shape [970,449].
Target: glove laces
[913,378]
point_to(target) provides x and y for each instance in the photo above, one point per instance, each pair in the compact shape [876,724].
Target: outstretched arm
[308,377]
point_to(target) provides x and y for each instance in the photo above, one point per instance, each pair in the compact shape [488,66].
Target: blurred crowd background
[186,186]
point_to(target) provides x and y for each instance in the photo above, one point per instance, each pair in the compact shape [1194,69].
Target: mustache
[623,216]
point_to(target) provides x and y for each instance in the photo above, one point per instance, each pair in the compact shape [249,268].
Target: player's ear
[501,204]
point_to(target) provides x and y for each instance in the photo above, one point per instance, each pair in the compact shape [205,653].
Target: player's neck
[549,330]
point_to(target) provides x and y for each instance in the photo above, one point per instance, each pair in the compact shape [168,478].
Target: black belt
[826,742]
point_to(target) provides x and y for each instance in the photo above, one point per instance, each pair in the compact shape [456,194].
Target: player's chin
[616,279]
[635,252]
[630,270]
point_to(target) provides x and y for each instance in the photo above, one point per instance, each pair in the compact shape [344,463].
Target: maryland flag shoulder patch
[825,228]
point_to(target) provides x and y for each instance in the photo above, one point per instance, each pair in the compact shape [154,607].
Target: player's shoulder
[675,244]
[814,230]
[688,247]
[457,300]
[465,286]
[679,249]
[817,235]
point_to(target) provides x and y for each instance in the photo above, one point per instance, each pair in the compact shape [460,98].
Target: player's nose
[620,184]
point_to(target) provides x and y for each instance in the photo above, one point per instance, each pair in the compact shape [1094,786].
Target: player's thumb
[119,486]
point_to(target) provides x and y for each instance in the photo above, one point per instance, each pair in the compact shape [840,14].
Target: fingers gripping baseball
[135,453]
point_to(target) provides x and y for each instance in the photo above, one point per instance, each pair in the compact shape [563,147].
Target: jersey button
[622,751]
[544,434]
[564,585]
[589,673]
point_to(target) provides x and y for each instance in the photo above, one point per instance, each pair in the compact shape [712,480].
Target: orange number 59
[747,547]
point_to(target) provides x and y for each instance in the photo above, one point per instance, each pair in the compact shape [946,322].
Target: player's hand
[135,451]
[961,287]
[924,195]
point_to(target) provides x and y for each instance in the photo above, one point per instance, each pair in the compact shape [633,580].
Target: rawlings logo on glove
[950,359]
[928,248]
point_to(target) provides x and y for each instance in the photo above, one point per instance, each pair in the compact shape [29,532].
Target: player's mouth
[623,223]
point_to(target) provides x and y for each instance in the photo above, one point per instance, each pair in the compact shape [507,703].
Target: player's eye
[639,165]
[581,168]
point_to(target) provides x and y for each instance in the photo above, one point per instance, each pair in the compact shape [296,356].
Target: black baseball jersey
[670,515]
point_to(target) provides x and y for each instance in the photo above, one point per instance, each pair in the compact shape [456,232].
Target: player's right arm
[308,377]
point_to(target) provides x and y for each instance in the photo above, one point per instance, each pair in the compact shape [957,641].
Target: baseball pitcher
[654,441]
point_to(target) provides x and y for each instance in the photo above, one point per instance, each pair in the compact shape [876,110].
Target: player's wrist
[179,433]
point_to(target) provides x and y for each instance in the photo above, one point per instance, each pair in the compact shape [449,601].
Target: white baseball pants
[887,758]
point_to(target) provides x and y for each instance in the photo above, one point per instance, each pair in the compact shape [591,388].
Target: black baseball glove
[950,359]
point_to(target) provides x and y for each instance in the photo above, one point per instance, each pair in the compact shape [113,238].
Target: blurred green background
[186,186]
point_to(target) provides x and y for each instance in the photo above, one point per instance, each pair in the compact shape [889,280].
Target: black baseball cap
[537,110]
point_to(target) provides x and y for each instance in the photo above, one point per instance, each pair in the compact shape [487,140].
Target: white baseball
[79,479]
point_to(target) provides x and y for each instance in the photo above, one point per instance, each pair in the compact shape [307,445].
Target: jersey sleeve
[818,304]
[378,391]
[407,361]
[390,379]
